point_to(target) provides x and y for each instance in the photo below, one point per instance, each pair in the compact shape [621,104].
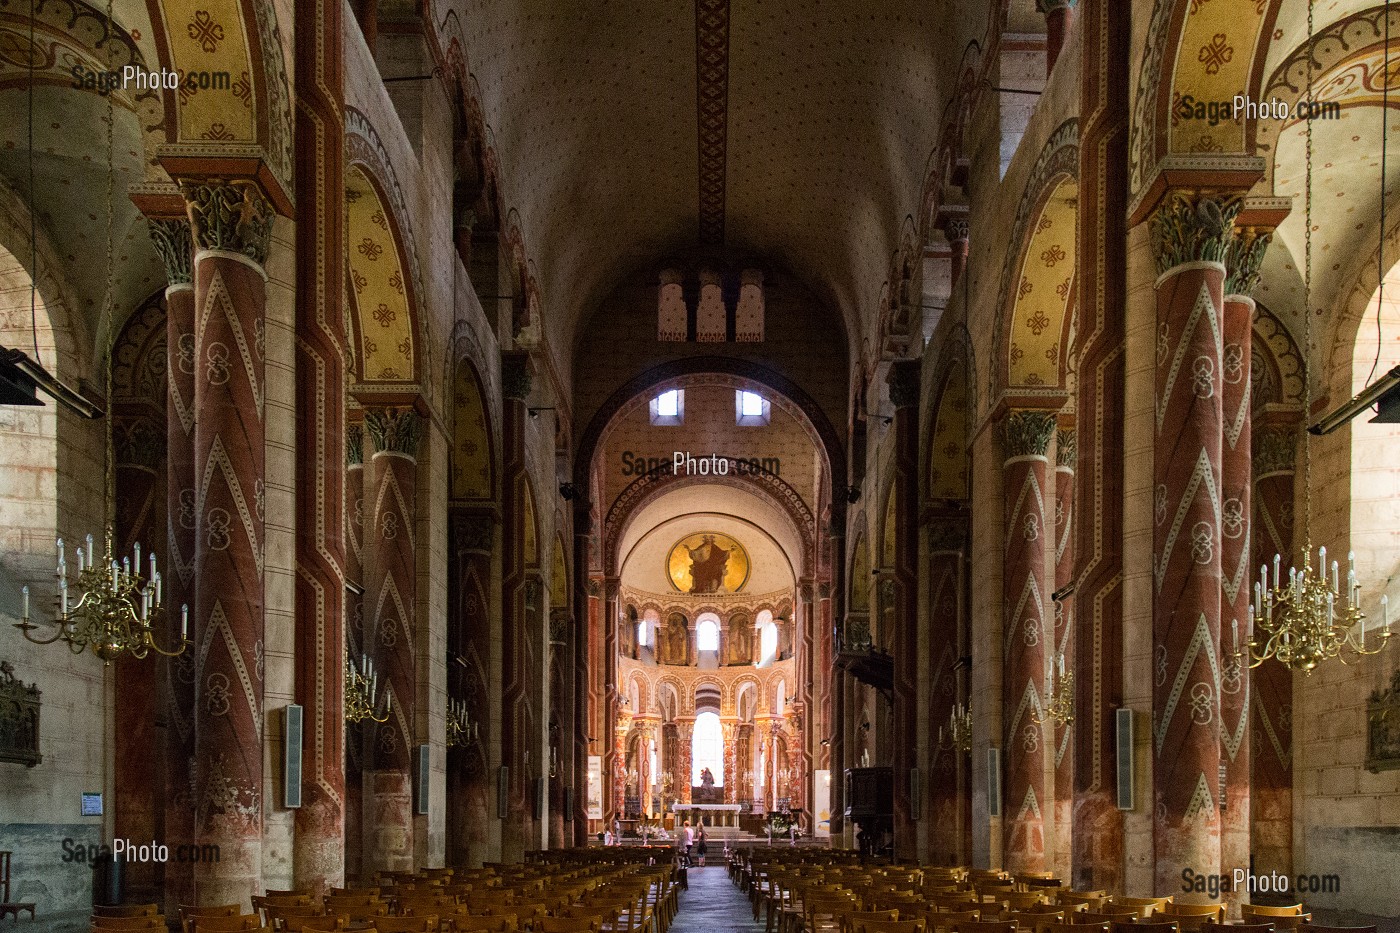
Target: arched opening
[707,638]
[767,638]
[707,748]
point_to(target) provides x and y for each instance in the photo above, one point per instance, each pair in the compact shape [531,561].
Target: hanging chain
[110,470]
[1307,300]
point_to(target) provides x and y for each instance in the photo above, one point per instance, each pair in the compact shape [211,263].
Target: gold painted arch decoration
[472,474]
[386,337]
[1044,292]
[947,477]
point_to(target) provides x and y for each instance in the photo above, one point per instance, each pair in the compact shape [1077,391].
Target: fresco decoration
[948,451]
[213,39]
[708,562]
[385,323]
[471,439]
[1043,292]
[1214,62]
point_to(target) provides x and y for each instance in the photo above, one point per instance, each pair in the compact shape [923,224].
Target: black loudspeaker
[1123,735]
[994,782]
[292,723]
[425,778]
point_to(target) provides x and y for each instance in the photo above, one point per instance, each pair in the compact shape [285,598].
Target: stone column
[1066,454]
[173,242]
[947,811]
[1026,597]
[685,762]
[516,733]
[957,233]
[472,536]
[904,384]
[730,729]
[355,643]
[391,593]
[1236,558]
[1190,238]
[231,223]
[615,752]
[1271,802]
[619,766]
[1059,17]
[318,853]
[1101,286]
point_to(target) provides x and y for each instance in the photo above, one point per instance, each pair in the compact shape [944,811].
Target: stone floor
[713,904]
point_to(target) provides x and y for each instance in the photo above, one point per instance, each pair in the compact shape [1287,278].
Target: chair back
[1103,917]
[985,926]
[1073,928]
[1159,924]
[426,923]
[1315,928]
[126,910]
[225,924]
[296,923]
[1146,906]
[1237,928]
[1215,912]
[851,918]
[889,926]
[154,922]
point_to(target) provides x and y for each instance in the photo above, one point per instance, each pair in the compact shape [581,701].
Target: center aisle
[713,904]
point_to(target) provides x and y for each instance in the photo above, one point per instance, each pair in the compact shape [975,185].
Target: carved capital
[1275,450]
[559,624]
[1193,229]
[473,533]
[229,215]
[958,229]
[175,246]
[393,429]
[904,381]
[515,377]
[137,443]
[355,445]
[1243,259]
[1027,433]
[1066,449]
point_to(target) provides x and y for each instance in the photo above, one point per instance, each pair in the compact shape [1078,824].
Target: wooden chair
[851,918]
[1086,917]
[985,926]
[890,926]
[144,922]
[466,923]
[1126,910]
[947,921]
[1238,928]
[1315,928]
[1191,917]
[1091,900]
[126,910]
[1074,928]
[188,913]
[294,923]
[568,925]
[233,924]
[1282,917]
[1159,924]
[423,923]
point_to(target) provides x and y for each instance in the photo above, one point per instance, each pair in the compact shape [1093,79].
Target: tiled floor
[714,905]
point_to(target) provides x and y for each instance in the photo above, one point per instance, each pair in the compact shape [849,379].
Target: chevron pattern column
[1190,239]
[1066,456]
[230,223]
[947,814]
[1025,634]
[391,593]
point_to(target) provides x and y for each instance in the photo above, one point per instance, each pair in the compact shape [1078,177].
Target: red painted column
[469,630]
[516,731]
[1066,454]
[391,594]
[318,849]
[1059,17]
[1025,633]
[730,730]
[1187,543]
[685,761]
[1271,803]
[227,617]
[175,246]
[1097,845]
[904,384]
[354,524]
[1236,558]
[946,814]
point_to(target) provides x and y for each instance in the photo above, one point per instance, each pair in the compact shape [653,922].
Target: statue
[676,634]
[740,641]
[707,778]
[708,564]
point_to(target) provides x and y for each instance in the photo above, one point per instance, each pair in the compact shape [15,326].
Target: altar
[710,814]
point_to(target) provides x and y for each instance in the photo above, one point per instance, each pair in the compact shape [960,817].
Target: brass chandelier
[460,728]
[362,692]
[958,731]
[1311,619]
[1059,701]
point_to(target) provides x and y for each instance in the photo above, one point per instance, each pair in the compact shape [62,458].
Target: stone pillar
[957,233]
[318,853]
[516,732]
[1026,597]
[1101,278]
[904,384]
[1059,17]
[1065,457]
[174,244]
[619,770]
[231,223]
[685,762]
[391,593]
[472,536]
[1190,237]
[947,813]
[1271,802]
[355,643]
[615,752]
[1236,557]
[730,729]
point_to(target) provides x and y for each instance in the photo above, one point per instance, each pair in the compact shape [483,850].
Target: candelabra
[1309,620]
[959,731]
[1059,701]
[461,730]
[116,608]
[362,693]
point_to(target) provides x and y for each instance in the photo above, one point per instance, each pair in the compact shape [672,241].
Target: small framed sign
[92,804]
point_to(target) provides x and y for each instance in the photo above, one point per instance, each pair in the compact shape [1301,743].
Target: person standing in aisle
[701,845]
[687,840]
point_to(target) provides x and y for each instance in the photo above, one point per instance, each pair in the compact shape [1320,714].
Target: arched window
[782,698]
[707,633]
[707,748]
[767,639]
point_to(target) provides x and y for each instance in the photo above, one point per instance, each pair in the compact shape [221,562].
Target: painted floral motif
[1038,321]
[243,90]
[1216,53]
[384,315]
[217,131]
[204,30]
[1025,288]
[370,249]
[1052,255]
[396,281]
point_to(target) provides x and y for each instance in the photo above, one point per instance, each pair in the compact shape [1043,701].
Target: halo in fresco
[708,562]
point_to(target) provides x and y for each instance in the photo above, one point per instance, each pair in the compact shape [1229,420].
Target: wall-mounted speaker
[292,722]
[425,778]
[994,782]
[1123,736]
[502,791]
[916,795]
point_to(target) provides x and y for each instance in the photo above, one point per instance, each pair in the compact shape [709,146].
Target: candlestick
[185,621]
[25,591]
